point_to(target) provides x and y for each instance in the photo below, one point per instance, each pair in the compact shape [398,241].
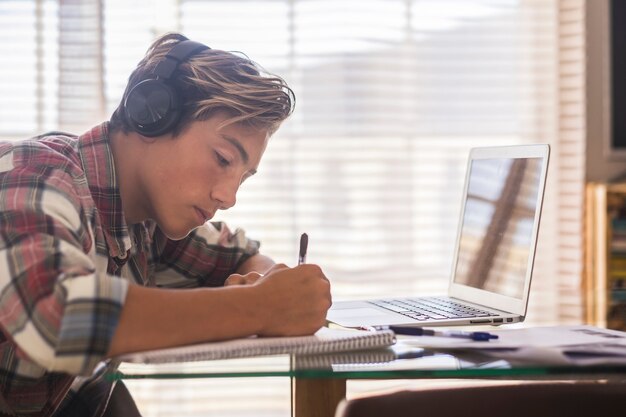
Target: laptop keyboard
[429,308]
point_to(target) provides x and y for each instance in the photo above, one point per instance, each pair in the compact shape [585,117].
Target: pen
[420,331]
[304,243]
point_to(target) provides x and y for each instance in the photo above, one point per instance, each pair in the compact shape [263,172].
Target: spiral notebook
[324,340]
[334,360]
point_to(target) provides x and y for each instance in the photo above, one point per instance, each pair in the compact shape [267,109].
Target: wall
[600,167]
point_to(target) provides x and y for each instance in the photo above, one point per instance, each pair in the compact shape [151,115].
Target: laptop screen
[497,227]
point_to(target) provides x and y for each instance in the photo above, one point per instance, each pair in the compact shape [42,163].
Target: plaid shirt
[67,257]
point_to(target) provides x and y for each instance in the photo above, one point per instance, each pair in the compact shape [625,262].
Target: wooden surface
[316,397]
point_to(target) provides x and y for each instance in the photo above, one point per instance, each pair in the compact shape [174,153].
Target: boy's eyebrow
[239,146]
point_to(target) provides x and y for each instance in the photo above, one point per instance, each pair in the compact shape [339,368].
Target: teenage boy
[105,244]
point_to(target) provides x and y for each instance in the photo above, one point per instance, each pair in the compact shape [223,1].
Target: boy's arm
[57,308]
[250,271]
[256,263]
[206,258]
[287,302]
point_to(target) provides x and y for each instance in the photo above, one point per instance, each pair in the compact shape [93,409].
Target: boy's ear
[152,106]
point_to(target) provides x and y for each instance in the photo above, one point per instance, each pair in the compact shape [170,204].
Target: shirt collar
[95,152]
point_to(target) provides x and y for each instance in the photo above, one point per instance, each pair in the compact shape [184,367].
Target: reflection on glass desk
[319,381]
[396,362]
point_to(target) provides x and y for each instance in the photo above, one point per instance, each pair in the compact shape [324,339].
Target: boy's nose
[226,194]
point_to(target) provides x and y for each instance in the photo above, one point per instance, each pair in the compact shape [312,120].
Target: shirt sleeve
[55,305]
[206,257]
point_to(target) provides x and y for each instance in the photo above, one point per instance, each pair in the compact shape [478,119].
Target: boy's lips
[203,215]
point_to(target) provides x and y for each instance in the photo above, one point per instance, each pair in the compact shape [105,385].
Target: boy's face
[188,178]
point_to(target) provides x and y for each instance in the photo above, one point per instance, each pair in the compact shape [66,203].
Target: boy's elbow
[52,358]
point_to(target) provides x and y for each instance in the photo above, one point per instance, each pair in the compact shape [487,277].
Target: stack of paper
[557,345]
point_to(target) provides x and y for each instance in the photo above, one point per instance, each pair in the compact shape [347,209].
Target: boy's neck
[127,153]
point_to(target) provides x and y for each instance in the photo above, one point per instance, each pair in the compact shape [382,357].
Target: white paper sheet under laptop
[494,254]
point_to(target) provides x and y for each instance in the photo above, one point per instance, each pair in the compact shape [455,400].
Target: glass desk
[319,381]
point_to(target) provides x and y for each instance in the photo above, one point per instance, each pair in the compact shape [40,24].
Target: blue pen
[420,331]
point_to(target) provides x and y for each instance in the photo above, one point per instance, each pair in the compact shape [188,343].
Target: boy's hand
[293,301]
[246,279]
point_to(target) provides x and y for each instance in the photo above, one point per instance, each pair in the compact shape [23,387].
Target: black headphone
[153,106]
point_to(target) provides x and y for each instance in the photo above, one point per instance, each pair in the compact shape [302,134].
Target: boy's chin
[177,234]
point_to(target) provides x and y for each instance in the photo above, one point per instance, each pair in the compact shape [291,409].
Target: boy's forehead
[243,133]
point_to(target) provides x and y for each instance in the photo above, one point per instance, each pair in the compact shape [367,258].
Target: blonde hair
[213,80]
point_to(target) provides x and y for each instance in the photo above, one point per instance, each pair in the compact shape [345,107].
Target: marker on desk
[420,331]
[304,244]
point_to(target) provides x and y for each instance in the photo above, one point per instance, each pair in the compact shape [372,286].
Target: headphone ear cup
[152,107]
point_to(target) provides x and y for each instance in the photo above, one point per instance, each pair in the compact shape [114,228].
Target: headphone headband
[176,56]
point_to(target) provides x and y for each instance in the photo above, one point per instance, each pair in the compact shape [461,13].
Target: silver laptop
[494,254]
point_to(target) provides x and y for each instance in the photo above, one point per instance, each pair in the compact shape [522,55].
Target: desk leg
[316,397]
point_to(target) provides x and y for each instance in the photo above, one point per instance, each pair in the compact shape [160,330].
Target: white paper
[549,336]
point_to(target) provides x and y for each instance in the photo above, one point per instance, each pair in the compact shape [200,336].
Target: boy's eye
[223,162]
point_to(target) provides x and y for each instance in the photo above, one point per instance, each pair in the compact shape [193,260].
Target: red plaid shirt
[66,259]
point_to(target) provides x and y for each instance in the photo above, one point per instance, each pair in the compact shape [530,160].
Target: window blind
[28,70]
[571,147]
[391,96]
[81,97]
